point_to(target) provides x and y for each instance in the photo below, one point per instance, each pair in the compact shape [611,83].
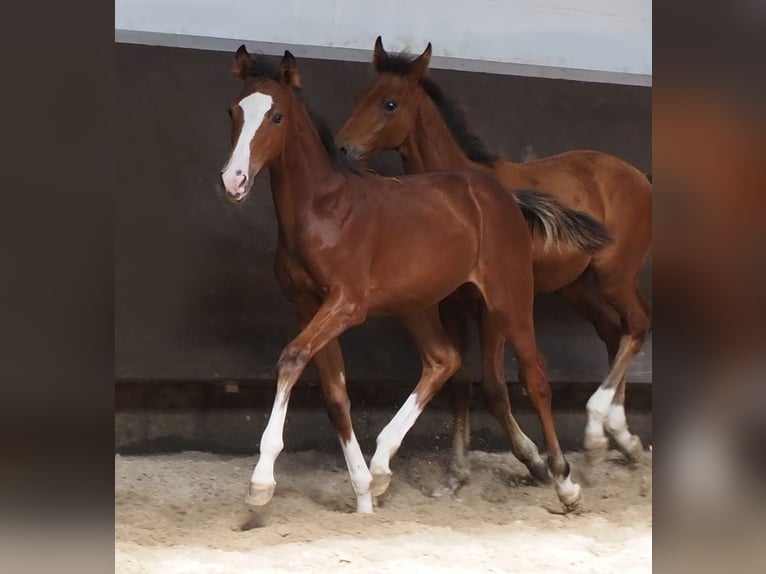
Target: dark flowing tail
[560,224]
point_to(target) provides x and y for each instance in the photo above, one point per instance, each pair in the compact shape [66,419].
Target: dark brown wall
[196,297]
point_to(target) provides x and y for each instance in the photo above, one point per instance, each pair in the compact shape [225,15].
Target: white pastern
[598,409]
[617,425]
[568,491]
[392,435]
[359,473]
[271,442]
[254,108]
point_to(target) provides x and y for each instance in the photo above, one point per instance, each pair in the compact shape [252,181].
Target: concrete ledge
[166,417]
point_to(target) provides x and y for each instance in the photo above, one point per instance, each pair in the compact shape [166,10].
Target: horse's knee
[641,328]
[292,359]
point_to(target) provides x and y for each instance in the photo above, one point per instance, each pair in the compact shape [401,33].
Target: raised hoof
[380,483]
[258,495]
[570,497]
[596,450]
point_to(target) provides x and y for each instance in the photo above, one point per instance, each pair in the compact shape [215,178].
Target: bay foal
[403,109]
[352,244]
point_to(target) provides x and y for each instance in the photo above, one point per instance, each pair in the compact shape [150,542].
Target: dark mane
[268,68]
[453,114]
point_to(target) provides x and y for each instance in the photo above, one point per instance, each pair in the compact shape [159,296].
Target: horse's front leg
[339,312]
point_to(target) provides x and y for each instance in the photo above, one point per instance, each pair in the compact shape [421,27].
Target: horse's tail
[560,224]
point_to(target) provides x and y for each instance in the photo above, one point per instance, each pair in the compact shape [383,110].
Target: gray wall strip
[356,55]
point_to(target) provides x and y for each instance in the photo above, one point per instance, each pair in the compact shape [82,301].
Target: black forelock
[265,67]
[397,63]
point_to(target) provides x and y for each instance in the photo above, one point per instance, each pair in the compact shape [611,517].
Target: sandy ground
[184,513]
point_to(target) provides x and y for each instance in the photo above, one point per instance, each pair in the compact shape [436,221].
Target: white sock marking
[359,473]
[254,108]
[568,491]
[271,442]
[617,425]
[598,410]
[392,435]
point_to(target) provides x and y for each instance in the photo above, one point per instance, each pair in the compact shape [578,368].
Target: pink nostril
[235,183]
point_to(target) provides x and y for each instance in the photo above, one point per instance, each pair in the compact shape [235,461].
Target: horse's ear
[379,55]
[288,71]
[419,65]
[243,63]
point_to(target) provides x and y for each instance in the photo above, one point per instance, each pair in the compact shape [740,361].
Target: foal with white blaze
[353,244]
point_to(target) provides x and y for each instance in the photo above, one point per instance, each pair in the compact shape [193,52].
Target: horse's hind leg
[606,408]
[586,298]
[329,363]
[616,423]
[454,314]
[440,361]
[496,396]
[509,297]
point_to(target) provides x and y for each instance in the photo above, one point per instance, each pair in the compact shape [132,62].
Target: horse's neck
[300,175]
[430,145]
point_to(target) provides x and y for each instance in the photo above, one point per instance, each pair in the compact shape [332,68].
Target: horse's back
[600,184]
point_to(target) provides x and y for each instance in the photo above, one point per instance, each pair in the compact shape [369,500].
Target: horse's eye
[228,111]
[389,106]
[277,118]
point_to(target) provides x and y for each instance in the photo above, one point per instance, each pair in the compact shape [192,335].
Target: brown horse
[404,110]
[353,244]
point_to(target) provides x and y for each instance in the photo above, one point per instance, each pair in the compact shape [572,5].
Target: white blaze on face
[236,172]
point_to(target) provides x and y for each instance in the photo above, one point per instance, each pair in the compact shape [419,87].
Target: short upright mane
[268,68]
[451,112]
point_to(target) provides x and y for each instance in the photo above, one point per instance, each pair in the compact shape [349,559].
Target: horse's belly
[556,267]
[419,278]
